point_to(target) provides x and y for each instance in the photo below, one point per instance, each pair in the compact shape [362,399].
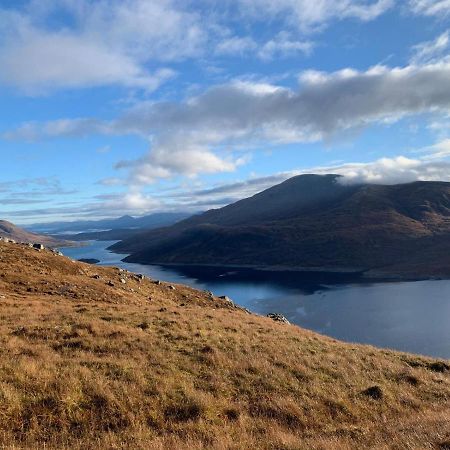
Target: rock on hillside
[97,357]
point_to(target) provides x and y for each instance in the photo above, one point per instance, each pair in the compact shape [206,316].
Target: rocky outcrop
[278,318]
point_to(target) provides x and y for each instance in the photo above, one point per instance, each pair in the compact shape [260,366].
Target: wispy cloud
[284,45]
[431,51]
[280,46]
[438,8]
[313,15]
[32,191]
[236,45]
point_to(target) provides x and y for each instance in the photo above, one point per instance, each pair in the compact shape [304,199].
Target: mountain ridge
[318,222]
[118,223]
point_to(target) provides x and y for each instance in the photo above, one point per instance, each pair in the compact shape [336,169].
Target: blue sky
[115,107]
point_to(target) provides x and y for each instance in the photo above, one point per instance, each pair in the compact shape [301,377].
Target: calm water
[409,316]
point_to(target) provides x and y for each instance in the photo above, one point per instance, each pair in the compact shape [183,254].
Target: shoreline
[353,274]
[357,274]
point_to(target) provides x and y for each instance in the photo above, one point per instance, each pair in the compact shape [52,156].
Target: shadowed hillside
[94,357]
[314,222]
[11,231]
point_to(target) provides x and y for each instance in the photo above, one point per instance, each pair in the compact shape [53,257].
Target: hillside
[94,357]
[11,231]
[313,222]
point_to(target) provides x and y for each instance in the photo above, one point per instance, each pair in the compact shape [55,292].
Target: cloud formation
[432,164]
[30,191]
[396,170]
[430,7]
[280,46]
[400,169]
[60,44]
[190,137]
[236,45]
[431,51]
[108,42]
[284,45]
[312,15]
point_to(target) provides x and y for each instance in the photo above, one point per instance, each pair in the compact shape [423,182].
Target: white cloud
[190,136]
[167,159]
[309,15]
[438,151]
[324,104]
[392,171]
[430,7]
[395,170]
[283,45]
[42,62]
[109,42]
[236,46]
[431,51]
[58,44]
[441,127]
[131,202]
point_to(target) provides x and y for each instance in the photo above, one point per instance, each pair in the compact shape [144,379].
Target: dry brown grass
[139,365]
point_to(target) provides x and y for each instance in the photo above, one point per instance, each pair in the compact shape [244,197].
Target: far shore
[346,274]
[350,273]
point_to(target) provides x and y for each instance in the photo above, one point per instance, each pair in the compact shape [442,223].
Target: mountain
[121,223]
[97,357]
[315,222]
[11,231]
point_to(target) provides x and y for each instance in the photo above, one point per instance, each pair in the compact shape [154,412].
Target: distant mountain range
[11,231]
[314,222]
[109,229]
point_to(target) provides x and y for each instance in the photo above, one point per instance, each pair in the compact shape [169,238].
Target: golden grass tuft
[139,365]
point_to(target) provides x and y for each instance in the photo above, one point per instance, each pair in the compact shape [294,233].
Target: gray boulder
[278,318]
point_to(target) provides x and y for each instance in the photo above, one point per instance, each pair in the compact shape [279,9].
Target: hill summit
[315,222]
[98,357]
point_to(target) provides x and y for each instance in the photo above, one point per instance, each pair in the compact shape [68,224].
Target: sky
[113,107]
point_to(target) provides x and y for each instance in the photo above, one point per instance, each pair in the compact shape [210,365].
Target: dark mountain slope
[315,222]
[286,200]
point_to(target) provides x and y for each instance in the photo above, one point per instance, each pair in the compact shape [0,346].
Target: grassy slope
[11,231]
[140,365]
